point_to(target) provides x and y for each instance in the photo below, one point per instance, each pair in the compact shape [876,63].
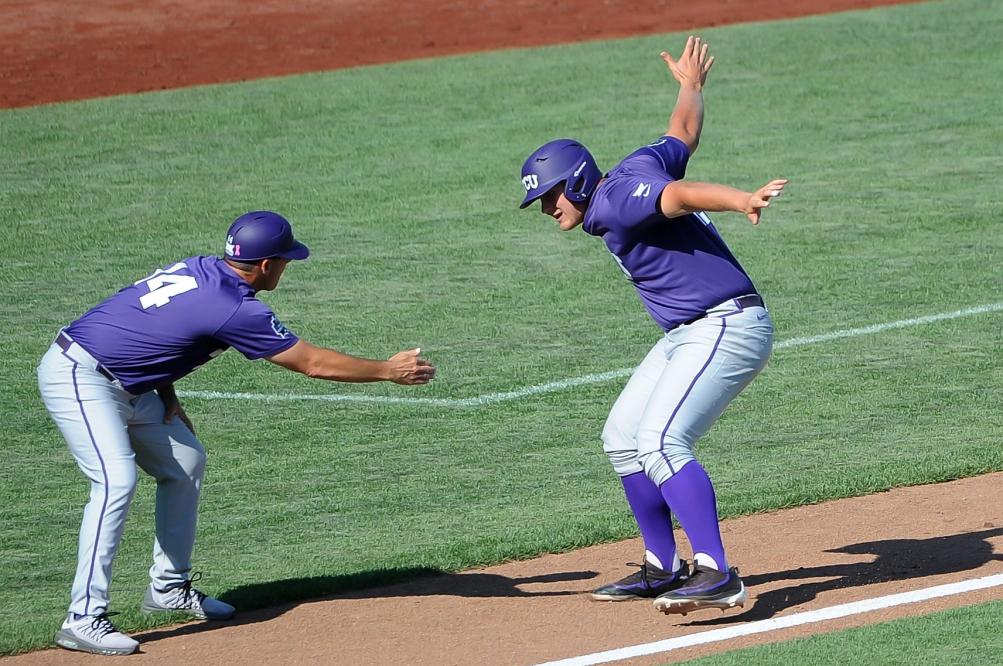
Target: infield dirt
[539,610]
[520,612]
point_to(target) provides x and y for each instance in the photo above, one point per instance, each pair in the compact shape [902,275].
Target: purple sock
[653,517]
[691,496]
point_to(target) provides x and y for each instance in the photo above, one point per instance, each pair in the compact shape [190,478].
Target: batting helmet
[262,234]
[562,160]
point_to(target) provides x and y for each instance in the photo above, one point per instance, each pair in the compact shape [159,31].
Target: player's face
[556,205]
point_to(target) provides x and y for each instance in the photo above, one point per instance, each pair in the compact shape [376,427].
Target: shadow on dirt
[283,595]
[896,559]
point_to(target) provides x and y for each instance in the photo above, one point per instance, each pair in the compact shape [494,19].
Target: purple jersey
[162,327]
[680,266]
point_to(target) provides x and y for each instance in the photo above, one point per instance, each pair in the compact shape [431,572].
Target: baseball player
[718,334]
[108,383]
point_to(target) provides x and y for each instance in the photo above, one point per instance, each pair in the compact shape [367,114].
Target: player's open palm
[760,199]
[407,367]
[694,63]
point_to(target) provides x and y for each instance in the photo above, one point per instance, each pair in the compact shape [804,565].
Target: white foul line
[562,384]
[773,624]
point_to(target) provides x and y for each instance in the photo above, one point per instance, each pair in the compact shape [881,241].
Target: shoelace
[190,592]
[102,626]
[641,575]
[713,572]
[704,574]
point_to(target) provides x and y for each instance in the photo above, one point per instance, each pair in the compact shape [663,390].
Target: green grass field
[404,180]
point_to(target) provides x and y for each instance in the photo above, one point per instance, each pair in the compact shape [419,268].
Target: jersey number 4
[164,285]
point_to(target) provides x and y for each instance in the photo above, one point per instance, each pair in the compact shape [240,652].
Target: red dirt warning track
[53,51]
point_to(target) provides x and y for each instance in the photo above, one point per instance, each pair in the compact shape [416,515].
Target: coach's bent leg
[172,455]
[91,415]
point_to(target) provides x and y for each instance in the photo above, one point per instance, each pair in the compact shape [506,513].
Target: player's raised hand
[694,63]
[760,199]
[407,367]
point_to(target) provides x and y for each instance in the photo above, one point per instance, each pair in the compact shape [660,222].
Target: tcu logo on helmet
[531,182]
[231,249]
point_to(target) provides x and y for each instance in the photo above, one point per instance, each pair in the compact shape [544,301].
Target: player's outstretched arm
[690,71]
[681,197]
[405,367]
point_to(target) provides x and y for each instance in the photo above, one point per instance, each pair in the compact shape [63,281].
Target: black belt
[742,302]
[750,301]
[65,342]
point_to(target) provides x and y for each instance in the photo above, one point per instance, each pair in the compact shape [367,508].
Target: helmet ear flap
[582,182]
[574,186]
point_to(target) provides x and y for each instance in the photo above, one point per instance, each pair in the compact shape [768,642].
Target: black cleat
[646,583]
[706,588]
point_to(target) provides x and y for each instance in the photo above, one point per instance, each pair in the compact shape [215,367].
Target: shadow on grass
[897,559]
[272,599]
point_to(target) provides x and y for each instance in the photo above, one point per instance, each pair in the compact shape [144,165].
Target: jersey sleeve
[633,203]
[672,155]
[255,331]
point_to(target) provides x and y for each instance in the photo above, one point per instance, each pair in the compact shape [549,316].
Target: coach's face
[271,272]
[555,204]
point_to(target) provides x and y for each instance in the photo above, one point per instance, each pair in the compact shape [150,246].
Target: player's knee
[669,444]
[660,466]
[615,438]
[624,463]
[676,452]
[620,447]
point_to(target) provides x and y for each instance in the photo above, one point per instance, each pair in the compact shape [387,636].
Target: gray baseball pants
[682,386]
[109,432]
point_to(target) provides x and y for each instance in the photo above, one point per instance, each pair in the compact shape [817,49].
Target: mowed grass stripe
[564,384]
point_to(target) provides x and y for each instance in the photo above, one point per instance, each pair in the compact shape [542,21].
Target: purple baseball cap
[262,234]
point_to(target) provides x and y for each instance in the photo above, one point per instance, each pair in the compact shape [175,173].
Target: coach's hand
[175,409]
[692,67]
[407,367]
[760,199]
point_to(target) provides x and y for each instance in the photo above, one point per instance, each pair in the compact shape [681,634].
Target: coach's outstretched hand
[407,367]
[692,67]
[760,199]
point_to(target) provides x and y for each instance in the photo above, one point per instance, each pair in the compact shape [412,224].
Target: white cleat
[95,634]
[186,599]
